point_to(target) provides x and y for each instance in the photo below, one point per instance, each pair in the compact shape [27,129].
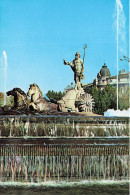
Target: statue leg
[32,106]
[78,83]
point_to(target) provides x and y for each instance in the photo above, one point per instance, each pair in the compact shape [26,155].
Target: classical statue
[77,66]
[76,100]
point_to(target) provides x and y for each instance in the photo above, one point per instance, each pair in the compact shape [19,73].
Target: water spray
[117,3]
[121,46]
[4,70]
[121,35]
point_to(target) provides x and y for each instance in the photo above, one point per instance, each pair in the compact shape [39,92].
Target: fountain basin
[40,149]
[63,146]
[71,188]
[61,126]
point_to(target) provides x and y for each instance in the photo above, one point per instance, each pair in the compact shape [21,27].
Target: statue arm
[68,63]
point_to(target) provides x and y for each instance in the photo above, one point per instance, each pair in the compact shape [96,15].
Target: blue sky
[38,34]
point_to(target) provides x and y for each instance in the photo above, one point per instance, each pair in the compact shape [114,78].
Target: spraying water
[5,74]
[120,35]
[112,112]
[121,47]
[117,4]
[3,67]
[121,28]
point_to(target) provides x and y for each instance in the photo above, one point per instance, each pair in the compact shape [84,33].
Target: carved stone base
[76,101]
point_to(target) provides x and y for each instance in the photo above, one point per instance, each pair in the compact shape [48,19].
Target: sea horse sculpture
[20,97]
[38,103]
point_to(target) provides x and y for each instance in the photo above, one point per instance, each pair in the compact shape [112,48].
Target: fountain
[59,152]
[120,20]
[66,149]
[3,67]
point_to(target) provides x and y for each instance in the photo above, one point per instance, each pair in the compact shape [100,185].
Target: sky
[38,34]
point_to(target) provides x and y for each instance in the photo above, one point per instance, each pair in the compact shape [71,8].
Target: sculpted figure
[20,97]
[38,103]
[77,66]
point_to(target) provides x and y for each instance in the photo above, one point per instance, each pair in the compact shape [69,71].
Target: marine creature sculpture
[20,97]
[38,103]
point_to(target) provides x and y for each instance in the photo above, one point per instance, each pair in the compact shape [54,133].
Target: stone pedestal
[76,101]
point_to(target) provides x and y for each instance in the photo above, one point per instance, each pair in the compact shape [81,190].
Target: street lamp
[125,58]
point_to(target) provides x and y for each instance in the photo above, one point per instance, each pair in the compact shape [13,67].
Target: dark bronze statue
[20,97]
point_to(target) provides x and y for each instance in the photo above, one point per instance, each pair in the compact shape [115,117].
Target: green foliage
[107,98]
[9,100]
[124,98]
[54,96]
[1,99]
[104,99]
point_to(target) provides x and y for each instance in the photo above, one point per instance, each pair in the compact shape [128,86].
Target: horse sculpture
[20,97]
[38,103]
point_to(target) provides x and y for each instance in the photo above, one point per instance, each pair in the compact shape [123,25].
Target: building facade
[104,78]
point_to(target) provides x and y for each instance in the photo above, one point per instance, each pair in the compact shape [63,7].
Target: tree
[108,98]
[1,99]
[54,96]
[124,98]
[9,100]
[104,99]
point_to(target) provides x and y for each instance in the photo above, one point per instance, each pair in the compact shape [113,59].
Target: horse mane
[19,90]
[34,84]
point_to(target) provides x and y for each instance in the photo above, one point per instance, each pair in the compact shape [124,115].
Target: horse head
[32,90]
[8,93]
[20,96]
[14,91]
[35,92]
[38,103]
